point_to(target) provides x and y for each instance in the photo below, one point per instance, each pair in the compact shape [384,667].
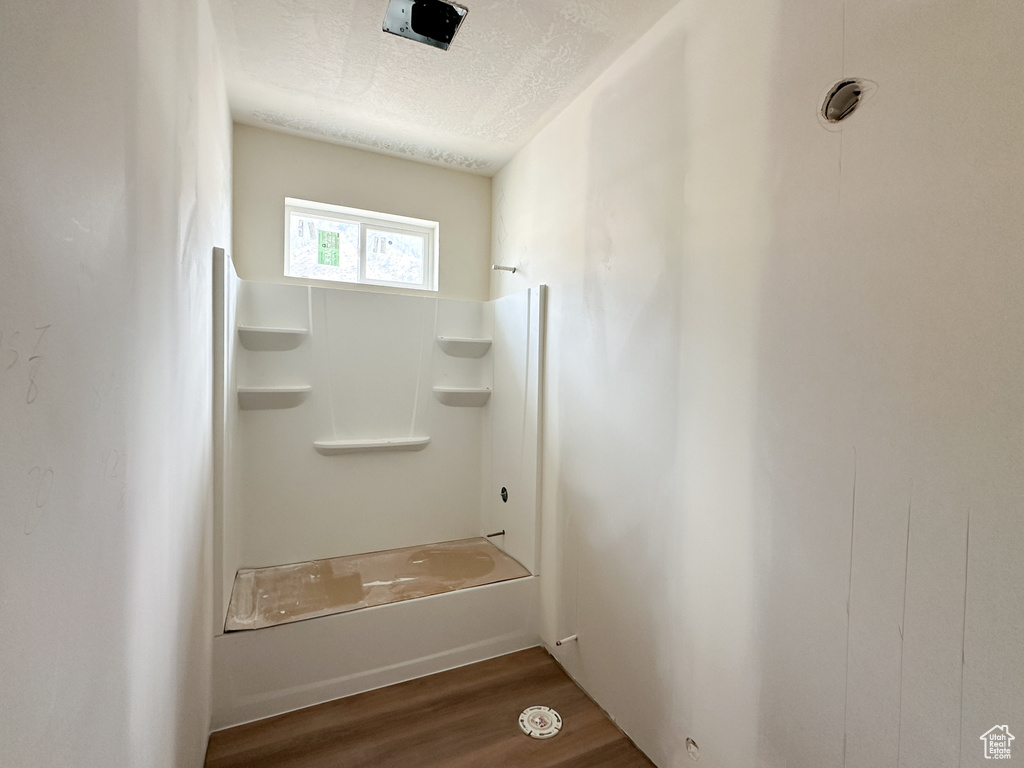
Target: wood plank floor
[464,718]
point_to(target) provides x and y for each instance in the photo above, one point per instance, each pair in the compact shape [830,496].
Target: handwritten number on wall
[33,370]
[8,356]
[11,357]
[40,486]
[114,464]
[34,362]
[42,329]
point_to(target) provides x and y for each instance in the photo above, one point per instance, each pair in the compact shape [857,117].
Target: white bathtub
[269,671]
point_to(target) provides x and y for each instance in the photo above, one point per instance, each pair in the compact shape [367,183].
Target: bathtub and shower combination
[376,491]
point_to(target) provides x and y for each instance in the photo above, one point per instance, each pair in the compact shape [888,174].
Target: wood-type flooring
[463,718]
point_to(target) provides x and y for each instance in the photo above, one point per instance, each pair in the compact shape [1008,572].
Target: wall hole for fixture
[693,749]
[843,98]
[504,494]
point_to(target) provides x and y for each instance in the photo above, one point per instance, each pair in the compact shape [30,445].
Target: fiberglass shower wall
[370,421]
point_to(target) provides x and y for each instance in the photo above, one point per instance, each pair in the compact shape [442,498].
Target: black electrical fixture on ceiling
[433,22]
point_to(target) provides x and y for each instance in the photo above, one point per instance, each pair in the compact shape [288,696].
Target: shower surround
[353,422]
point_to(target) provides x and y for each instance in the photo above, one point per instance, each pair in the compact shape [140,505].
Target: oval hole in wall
[504,494]
[693,749]
[843,98]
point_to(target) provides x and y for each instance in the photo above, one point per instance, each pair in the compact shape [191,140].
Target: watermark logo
[997,742]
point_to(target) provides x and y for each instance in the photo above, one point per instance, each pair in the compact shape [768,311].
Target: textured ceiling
[324,69]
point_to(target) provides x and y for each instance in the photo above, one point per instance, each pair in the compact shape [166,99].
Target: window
[328,242]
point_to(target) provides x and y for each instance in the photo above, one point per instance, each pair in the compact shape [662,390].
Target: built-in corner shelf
[260,398]
[462,347]
[463,397]
[334,447]
[263,339]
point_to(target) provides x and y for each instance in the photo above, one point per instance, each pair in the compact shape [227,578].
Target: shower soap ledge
[334,447]
[268,398]
[264,339]
[456,346]
[463,397]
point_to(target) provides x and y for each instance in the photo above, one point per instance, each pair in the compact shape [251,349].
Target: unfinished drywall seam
[903,624]
[963,632]
[849,598]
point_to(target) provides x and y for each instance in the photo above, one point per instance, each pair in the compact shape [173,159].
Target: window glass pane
[394,257]
[323,249]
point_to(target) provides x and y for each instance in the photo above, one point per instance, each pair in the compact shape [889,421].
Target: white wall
[271,166]
[758,327]
[115,155]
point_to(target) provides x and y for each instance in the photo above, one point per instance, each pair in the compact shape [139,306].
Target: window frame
[387,222]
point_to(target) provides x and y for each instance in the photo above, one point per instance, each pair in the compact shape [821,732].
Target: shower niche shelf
[266,339]
[456,346]
[372,445]
[267,398]
[463,397]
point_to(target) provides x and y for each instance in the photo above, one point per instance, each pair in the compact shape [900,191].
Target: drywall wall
[271,166]
[115,154]
[768,342]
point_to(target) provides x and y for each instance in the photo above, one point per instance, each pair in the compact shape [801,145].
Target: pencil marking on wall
[34,363]
[42,329]
[9,353]
[903,621]
[33,370]
[11,358]
[114,464]
[40,487]
[849,597]
[963,634]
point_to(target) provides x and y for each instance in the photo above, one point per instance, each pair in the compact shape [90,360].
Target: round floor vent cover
[540,722]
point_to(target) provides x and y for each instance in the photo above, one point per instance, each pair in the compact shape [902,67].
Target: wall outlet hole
[843,99]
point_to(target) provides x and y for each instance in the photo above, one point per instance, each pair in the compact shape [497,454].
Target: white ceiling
[324,69]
